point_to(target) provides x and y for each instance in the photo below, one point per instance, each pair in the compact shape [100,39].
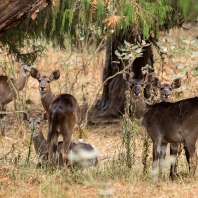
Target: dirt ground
[81,75]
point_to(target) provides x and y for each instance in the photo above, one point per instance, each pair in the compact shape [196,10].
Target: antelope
[45,91]
[63,113]
[8,92]
[142,107]
[165,96]
[75,149]
[173,123]
[137,88]
[166,89]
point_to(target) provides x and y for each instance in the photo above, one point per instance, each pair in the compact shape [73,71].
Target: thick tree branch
[12,13]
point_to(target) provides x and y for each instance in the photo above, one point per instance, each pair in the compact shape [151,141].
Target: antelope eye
[48,81]
[39,80]
[161,89]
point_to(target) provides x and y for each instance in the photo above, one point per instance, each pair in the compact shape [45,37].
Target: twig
[12,148]
[30,146]
[10,112]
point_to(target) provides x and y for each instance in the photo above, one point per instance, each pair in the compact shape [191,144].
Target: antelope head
[34,123]
[44,81]
[166,89]
[138,85]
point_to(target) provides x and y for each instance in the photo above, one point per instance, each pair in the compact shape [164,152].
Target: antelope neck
[20,82]
[46,99]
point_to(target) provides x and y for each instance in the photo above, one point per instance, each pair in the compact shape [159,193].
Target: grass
[111,178]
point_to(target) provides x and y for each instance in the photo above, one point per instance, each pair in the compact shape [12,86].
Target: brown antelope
[137,89]
[173,123]
[75,149]
[141,106]
[63,114]
[165,96]
[46,94]
[166,89]
[8,92]
[45,91]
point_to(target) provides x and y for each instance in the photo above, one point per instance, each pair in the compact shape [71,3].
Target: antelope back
[62,117]
[166,89]
[64,106]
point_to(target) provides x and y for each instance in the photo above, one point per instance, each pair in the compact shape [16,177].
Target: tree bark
[13,12]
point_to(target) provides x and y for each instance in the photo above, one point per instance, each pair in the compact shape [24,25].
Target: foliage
[183,56]
[83,20]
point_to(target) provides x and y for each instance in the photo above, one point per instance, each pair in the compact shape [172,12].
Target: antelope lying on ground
[8,93]
[80,154]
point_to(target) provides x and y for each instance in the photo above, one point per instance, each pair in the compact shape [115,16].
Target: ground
[81,75]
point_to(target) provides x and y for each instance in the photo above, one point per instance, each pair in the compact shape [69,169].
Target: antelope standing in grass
[173,123]
[76,149]
[165,96]
[8,92]
[142,107]
[63,113]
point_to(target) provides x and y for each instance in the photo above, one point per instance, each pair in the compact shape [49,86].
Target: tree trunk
[13,12]
[111,103]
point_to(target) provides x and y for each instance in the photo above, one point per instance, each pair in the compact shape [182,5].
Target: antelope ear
[35,73]
[156,82]
[128,76]
[149,78]
[25,116]
[55,75]
[44,116]
[176,83]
